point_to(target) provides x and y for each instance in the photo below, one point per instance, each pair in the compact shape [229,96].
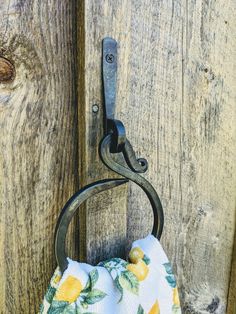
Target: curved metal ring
[82,195]
[69,210]
[158,215]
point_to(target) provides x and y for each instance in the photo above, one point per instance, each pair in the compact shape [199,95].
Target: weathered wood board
[38,121]
[231,307]
[176,96]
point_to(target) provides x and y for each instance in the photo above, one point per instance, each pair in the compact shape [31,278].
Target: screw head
[95,108]
[110,58]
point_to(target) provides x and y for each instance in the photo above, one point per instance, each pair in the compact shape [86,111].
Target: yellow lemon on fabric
[69,290]
[176,296]
[155,308]
[140,269]
[135,255]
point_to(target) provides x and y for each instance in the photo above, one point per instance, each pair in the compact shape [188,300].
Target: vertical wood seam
[231,304]
[81,125]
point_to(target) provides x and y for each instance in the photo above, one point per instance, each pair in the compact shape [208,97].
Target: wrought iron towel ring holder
[114,142]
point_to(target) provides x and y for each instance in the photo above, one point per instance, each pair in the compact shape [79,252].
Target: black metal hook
[109,74]
[107,158]
[113,143]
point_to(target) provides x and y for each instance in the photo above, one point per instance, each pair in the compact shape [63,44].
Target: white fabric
[112,288]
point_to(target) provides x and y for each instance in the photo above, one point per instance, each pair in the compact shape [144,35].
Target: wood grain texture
[38,121]
[103,220]
[231,306]
[176,96]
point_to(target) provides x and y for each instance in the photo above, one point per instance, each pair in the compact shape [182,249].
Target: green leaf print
[78,310]
[57,307]
[84,304]
[168,268]
[118,261]
[81,311]
[94,296]
[70,309]
[129,282]
[117,283]
[146,259]
[93,277]
[50,294]
[113,263]
[140,310]
[171,280]
[176,309]
[87,288]
[41,308]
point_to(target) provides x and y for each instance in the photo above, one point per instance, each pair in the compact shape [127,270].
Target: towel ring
[114,143]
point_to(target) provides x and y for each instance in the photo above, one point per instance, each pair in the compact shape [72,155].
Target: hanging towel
[144,285]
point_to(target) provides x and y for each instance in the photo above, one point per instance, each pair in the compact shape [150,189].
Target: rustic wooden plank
[176,96]
[171,58]
[103,222]
[193,147]
[38,118]
[231,308]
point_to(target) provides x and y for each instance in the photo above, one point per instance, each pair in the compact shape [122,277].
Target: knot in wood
[7,70]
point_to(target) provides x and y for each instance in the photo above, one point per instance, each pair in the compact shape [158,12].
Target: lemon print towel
[144,284]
